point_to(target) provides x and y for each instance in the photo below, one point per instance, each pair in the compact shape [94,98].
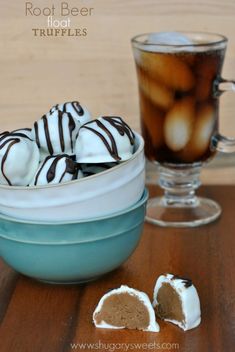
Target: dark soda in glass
[179,110]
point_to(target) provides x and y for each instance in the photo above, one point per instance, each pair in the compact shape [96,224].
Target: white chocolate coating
[78,111]
[56,169]
[153,325]
[188,296]
[106,139]
[19,160]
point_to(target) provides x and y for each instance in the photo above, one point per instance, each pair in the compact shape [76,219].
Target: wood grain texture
[39,317]
[98,70]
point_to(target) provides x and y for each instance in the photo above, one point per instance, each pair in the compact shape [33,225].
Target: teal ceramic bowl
[71,252]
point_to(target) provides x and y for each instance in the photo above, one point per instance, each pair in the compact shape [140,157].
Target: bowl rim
[80,180]
[140,202]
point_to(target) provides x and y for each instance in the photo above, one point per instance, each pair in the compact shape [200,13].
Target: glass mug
[179,77]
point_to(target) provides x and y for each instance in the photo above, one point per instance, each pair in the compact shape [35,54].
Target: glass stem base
[180,207]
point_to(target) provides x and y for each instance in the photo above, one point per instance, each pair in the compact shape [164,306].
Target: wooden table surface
[42,318]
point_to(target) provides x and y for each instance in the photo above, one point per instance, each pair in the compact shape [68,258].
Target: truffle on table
[125,307]
[176,300]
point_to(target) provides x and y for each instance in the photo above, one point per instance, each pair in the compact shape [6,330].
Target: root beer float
[177,103]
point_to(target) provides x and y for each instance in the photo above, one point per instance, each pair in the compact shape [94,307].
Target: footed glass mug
[179,89]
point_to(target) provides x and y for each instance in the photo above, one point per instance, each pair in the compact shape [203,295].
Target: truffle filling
[124,309]
[169,304]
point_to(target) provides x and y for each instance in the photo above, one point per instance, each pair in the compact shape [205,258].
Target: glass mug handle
[219,142]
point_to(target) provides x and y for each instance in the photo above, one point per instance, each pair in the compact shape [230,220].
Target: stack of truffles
[64,145]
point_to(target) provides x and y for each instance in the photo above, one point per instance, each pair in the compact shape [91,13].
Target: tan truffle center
[169,303]
[124,309]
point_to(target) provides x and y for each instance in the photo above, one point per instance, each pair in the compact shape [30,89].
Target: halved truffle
[176,300]
[125,307]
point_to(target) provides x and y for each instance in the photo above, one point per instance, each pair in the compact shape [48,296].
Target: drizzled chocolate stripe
[18,134]
[22,129]
[4,135]
[47,135]
[56,107]
[65,107]
[72,127]
[40,170]
[60,127]
[11,142]
[121,126]
[15,133]
[111,149]
[187,282]
[71,167]
[60,116]
[37,134]
[77,107]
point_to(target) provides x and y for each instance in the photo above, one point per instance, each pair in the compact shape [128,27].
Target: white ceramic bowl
[99,195]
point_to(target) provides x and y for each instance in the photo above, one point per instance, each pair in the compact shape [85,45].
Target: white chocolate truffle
[57,169]
[56,133]
[19,159]
[176,300]
[77,110]
[107,139]
[125,307]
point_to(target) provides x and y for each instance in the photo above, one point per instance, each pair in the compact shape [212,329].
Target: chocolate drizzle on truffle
[187,282]
[55,107]
[61,117]
[37,134]
[65,108]
[121,126]
[60,127]
[20,133]
[77,107]
[3,134]
[47,135]
[110,142]
[72,127]
[71,167]
[13,134]
[11,142]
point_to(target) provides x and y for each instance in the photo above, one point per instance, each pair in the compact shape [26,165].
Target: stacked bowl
[77,230]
